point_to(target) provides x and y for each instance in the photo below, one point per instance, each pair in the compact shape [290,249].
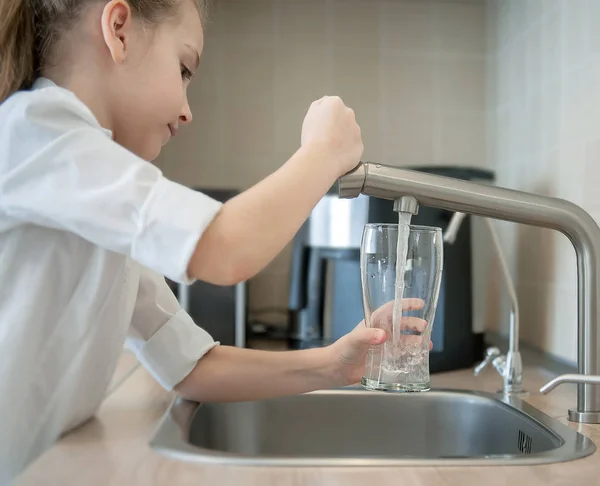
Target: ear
[117,23]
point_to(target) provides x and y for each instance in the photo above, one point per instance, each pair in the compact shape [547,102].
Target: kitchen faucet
[410,188]
[509,366]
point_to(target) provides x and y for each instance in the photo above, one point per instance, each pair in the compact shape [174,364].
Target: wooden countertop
[112,449]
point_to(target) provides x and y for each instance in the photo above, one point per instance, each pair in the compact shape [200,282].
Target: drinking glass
[401,363]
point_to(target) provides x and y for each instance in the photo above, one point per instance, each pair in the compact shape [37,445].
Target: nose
[185,118]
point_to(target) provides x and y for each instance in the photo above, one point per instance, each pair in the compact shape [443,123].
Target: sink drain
[524,444]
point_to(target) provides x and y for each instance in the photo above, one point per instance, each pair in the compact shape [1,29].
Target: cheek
[169,94]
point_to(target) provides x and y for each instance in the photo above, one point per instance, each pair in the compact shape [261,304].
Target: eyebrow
[195,51]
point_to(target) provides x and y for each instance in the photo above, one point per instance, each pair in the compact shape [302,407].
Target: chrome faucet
[509,366]
[520,207]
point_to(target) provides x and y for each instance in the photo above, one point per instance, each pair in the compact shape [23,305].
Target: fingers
[361,337]
[376,336]
[412,304]
[407,305]
[413,324]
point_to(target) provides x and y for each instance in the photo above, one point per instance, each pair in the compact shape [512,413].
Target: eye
[186,73]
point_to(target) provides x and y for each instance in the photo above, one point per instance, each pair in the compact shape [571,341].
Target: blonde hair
[29,30]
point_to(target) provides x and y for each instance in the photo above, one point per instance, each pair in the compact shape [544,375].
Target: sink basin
[353,427]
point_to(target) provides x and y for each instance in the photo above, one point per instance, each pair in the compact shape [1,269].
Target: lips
[172,130]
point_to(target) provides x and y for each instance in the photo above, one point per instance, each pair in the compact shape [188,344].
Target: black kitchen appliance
[325,292]
[221,310]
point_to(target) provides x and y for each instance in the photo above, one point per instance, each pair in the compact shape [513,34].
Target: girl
[91,90]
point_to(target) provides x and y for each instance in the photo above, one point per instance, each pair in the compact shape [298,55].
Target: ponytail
[17,46]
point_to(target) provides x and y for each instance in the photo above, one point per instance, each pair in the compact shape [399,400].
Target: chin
[150,152]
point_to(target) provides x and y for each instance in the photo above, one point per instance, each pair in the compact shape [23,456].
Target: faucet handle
[490,355]
[499,363]
[576,415]
[569,378]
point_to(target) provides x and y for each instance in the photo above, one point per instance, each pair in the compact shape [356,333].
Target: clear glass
[402,362]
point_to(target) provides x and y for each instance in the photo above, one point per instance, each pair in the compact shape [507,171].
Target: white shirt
[87,229]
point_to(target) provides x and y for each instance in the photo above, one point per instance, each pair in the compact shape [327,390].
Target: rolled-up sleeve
[60,169]
[163,336]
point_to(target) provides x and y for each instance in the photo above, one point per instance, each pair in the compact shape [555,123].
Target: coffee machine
[325,299]
[325,290]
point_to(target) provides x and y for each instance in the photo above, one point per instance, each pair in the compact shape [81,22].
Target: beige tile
[517,17]
[408,26]
[491,79]
[298,81]
[504,32]
[535,255]
[461,83]
[356,78]
[491,139]
[551,116]
[574,106]
[247,110]
[302,23]
[571,172]
[562,322]
[591,100]
[551,48]
[503,77]
[532,314]
[248,74]
[491,12]
[550,162]
[533,57]
[576,31]
[188,164]
[593,34]
[517,142]
[551,6]
[534,11]
[463,140]
[408,138]
[502,137]
[407,83]
[355,24]
[548,168]
[460,28]
[533,130]
[591,182]
[518,74]
[246,24]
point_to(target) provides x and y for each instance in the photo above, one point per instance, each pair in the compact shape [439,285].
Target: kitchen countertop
[112,449]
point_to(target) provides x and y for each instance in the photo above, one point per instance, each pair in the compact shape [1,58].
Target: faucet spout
[519,207]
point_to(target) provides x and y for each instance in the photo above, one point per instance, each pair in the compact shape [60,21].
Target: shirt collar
[42,82]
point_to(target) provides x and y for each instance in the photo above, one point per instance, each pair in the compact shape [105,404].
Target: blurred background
[509,87]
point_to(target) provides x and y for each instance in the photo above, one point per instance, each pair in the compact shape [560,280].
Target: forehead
[188,26]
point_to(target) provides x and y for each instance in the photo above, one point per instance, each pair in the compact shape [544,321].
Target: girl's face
[149,87]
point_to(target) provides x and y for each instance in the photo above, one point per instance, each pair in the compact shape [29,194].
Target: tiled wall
[544,136]
[412,70]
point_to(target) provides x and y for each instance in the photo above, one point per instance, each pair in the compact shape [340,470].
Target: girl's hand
[330,126]
[348,353]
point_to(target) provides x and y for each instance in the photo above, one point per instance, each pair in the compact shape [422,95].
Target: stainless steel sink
[352,427]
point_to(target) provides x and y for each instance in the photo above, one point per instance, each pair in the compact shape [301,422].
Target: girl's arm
[235,374]
[252,228]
